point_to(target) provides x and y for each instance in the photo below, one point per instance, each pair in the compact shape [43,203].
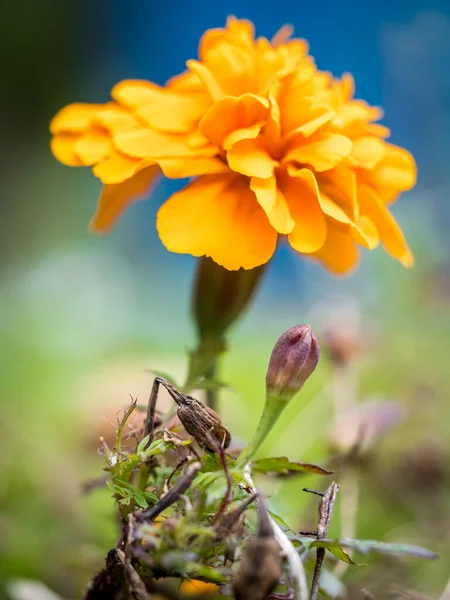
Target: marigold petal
[147,143]
[390,233]
[92,148]
[160,108]
[117,168]
[339,185]
[322,152]
[302,196]
[230,114]
[115,118]
[367,152]
[395,173]
[339,253]
[192,587]
[273,202]
[114,199]
[365,233]
[176,168]
[246,133]
[207,78]
[74,118]
[328,206]
[63,149]
[250,157]
[218,216]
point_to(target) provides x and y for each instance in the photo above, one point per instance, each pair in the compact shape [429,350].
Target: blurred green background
[84,317]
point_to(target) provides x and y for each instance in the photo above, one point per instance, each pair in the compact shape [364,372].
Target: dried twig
[151,408]
[182,484]
[137,587]
[297,571]
[326,508]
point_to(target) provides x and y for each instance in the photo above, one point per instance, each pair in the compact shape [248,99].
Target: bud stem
[273,408]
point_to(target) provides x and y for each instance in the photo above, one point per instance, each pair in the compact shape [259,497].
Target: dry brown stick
[151,408]
[326,508]
[182,484]
[137,587]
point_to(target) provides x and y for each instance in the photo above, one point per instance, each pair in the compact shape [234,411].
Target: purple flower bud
[294,358]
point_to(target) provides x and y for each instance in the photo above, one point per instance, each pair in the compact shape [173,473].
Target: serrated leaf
[163,375]
[150,497]
[364,547]
[335,547]
[141,501]
[283,467]
[330,586]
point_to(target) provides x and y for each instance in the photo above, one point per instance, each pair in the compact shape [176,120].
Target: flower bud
[294,358]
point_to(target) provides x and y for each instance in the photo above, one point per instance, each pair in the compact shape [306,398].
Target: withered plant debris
[187,515]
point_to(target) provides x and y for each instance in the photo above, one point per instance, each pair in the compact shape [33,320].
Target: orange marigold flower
[275,147]
[194,587]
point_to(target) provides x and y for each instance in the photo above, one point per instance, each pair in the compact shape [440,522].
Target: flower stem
[273,408]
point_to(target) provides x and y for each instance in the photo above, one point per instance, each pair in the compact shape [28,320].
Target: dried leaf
[281,466]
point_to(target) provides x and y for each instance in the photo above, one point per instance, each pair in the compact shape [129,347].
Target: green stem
[273,408]
[212,393]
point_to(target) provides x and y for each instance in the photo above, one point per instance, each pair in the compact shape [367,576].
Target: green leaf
[208,573]
[280,519]
[210,385]
[163,375]
[333,546]
[282,466]
[364,547]
[142,444]
[330,586]
[204,480]
[141,501]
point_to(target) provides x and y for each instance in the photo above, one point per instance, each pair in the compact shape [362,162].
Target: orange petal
[74,118]
[117,168]
[63,148]
[367,152]
[328,206]
[193,587]
[390,233]
[395,173]
[302,196]
[339,253]
[322,151]
[115,118]
[229,114]
[339,184]
[147,143]
[365,233]
[218,216]
[273,202]
[114,199]
[161,108]
[246,133]
[232,65]
[207,78]
[92,148]
[250,157]
[177,168]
